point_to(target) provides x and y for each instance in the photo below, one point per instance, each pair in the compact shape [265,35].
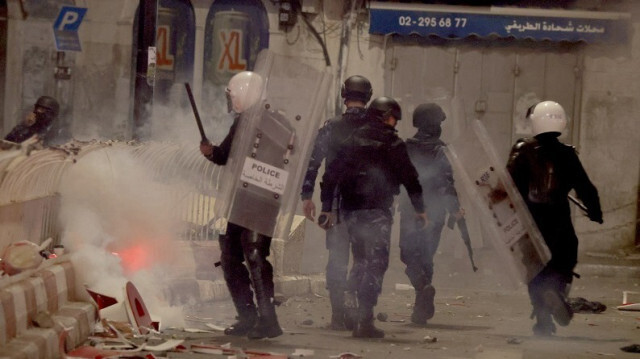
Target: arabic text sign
[264,175]
[461,24]
[65,28]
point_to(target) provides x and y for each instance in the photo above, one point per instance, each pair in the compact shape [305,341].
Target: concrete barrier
[36,306]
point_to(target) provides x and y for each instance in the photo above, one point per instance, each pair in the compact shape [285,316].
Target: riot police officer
[240,244]
[418,247]
[37,123]
[368,171]
[356,92]
[544,170]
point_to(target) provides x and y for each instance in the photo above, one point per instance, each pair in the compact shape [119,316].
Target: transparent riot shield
[515,235]
[260,183]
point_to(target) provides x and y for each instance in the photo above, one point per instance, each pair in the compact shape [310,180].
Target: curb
[286,286]
[608,270]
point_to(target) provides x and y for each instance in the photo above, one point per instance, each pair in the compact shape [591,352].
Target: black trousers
[240,246]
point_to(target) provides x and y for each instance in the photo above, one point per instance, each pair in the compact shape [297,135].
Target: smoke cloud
[119,227]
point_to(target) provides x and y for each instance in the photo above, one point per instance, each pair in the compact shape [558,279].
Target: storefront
[490,63]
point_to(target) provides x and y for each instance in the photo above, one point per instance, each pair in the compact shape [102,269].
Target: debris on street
[401,286]
[429,339]
[581,305]
[383,317]
[346,355]
[302,353]
[633,348]
[627,304]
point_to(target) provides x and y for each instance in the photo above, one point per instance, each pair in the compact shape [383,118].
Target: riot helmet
[428,117]
[356,88]
[382,107]
[243,91]
[547,116]
[49,104]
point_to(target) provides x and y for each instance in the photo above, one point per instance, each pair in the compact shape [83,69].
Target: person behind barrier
[545,170]
[368,172]
[417,248]
[356,92]
[239,245]
[38,122]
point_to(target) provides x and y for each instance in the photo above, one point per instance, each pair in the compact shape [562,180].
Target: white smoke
[109,204]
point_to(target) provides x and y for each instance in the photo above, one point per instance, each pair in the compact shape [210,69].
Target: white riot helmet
[547,116]
[243,91]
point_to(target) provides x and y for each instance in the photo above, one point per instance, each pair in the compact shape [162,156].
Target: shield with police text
[514,234]
[260,183]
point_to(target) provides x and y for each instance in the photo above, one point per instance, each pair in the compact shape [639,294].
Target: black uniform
[368,172]
[45,110]
[328,142]
[22,131]
[545,170]
[418,247]
[238,245]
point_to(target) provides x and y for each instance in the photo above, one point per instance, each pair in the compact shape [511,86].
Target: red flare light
[135,257]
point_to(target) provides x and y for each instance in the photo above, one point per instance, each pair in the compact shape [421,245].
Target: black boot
[350,310]
[247,318]
[267,326]
[424,308]
[337,310]
[544,324]
[256,252]
[558,307]
[238,282]
[364,327]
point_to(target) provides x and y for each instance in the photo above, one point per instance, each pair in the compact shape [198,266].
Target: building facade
[118,68]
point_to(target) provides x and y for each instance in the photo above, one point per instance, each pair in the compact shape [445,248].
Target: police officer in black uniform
[37,123]
[356,92]
[368,172]
[544,170]
[418,247]
[240,244]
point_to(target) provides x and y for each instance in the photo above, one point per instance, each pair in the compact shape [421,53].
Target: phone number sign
[410,20]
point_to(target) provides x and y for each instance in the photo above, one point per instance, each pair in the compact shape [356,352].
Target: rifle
[203,137]
[464,232]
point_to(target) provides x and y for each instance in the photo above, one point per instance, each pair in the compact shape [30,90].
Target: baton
[578,203]
[464,232]
[195,113]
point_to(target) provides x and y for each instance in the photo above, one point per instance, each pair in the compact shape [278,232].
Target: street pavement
[479,315]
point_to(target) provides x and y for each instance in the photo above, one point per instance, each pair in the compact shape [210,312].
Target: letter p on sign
[69,18]
[65,28]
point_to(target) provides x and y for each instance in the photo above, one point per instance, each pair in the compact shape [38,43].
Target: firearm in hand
[464,232]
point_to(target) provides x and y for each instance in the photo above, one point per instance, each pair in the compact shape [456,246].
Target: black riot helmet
[356,88]
[428,117]
[382,107]
[50,104]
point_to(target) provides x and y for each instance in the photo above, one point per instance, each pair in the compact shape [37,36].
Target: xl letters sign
[65,28]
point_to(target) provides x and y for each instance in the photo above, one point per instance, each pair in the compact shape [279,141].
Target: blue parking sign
[65,28]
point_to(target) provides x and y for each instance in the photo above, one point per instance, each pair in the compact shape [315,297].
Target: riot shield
[260,183]
[515,235]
